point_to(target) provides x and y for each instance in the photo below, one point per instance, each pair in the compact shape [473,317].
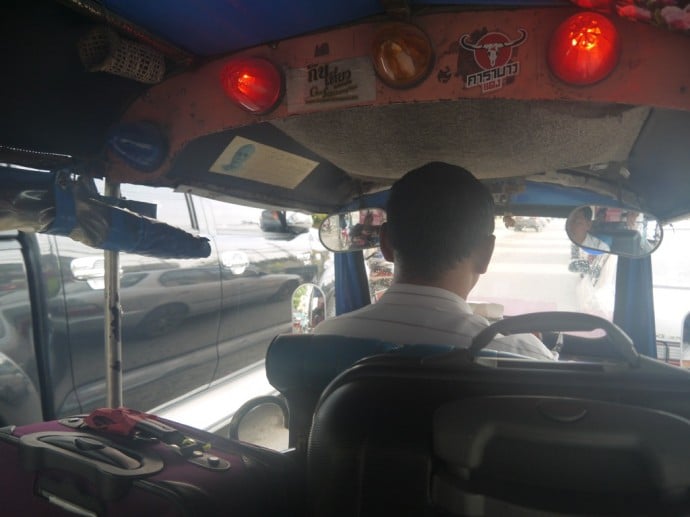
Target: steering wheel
[558,322]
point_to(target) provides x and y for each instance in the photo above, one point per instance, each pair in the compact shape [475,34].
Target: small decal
[444,75]
[493,54]
[322,50]
[247,159]
[339,83]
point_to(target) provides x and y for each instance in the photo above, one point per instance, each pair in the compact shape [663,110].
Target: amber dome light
[402,55]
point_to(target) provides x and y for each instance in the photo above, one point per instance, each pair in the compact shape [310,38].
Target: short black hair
[437,214]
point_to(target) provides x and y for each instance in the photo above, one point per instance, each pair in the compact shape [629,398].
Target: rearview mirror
[619,231]
[352,231]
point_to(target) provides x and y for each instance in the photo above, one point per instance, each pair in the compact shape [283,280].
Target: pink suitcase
[65,468]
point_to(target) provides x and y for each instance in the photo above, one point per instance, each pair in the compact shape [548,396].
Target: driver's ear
[386,247]
[483,253]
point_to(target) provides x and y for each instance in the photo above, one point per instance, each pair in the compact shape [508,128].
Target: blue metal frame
[352,285]
[533,194]
[634,305]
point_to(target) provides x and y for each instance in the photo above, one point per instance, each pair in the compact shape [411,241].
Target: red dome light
[584,49]
[254,83]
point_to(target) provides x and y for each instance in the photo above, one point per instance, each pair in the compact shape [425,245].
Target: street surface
[529,271]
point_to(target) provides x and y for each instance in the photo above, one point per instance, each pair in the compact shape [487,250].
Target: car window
[171,206]
[230,218]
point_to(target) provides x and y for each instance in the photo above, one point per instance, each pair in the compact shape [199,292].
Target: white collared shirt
[415,314]
[594,243]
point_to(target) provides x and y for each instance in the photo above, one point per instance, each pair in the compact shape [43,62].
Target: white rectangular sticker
[244,158]
[337,84]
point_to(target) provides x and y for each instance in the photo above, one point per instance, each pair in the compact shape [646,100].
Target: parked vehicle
[528,223]
[281,221]
[186,322]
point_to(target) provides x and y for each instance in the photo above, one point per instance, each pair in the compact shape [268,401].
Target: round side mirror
[262,421]
[308,308]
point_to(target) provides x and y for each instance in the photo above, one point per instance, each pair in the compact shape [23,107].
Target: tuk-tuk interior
[319,108]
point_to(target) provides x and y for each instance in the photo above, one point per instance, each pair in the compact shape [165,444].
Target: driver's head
[437,215]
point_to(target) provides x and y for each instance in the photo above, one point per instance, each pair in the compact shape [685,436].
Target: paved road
[529,271]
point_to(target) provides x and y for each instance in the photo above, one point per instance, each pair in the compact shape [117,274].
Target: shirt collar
[399,290]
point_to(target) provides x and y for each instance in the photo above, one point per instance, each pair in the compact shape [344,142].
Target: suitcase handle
[85,455]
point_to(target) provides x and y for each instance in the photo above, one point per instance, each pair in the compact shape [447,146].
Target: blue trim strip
[557,195]
[352,290]
[65,210]
[634,306]
[544,194]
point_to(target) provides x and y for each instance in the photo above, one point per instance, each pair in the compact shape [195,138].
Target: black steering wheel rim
[558,321]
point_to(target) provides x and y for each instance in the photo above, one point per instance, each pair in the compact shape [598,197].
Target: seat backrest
[409,436]
[507,454]
[300,366]
[369,446]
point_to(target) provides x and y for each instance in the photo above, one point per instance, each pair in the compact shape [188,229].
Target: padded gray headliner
[492,138]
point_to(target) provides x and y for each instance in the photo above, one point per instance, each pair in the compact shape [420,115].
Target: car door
[259,272]
[170,307]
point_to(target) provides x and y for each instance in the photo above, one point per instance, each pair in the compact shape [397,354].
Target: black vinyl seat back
[300,366]
[502,455]
[400,435]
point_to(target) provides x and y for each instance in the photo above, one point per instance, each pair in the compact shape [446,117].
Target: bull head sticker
[493,54]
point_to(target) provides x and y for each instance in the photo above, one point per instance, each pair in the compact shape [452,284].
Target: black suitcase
[63,467]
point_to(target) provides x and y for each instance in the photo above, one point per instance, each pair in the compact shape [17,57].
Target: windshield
[671,275]
[529,268]
[671,265]
[535,267]
[532,269]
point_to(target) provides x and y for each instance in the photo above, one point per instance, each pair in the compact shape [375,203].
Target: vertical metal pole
[113,319]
